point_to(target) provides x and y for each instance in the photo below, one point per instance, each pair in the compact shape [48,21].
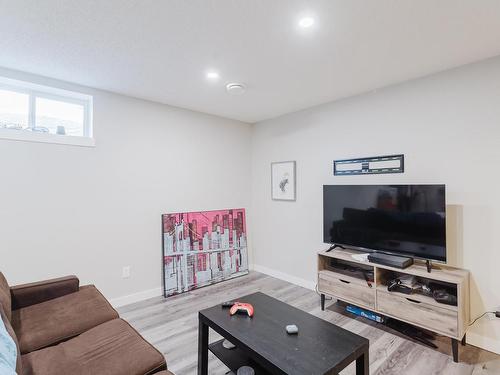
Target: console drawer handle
[412,300]
[345,281]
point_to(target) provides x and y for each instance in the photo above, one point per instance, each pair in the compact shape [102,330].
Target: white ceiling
[161,50]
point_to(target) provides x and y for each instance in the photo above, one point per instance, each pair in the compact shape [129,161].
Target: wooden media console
[420,310]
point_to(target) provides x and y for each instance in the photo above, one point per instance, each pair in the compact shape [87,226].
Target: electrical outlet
[126,272]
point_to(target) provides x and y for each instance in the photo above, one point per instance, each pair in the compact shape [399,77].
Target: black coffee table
[262,342]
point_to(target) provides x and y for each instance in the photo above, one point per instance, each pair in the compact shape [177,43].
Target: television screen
[401,219]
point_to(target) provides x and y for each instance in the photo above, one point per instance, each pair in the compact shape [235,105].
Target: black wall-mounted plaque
[370,165]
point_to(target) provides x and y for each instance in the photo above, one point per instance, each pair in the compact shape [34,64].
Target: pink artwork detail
[202,248]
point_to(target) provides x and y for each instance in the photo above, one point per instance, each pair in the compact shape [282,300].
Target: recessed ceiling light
[306,22]
[212,75]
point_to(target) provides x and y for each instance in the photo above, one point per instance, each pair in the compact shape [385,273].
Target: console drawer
[422,314]
[347,291]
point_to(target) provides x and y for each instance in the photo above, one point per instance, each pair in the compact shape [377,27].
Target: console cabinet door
[424,315]
[347,291]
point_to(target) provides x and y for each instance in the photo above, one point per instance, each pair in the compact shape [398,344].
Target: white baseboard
[285,276]
[150,293]
[136,297]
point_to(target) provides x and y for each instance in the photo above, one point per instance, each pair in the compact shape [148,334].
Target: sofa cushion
[12,334]
[113,348]
[5,298]
[59,319]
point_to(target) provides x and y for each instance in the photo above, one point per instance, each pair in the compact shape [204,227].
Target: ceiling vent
[235,88]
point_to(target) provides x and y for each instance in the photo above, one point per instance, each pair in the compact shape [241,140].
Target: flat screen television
[407,220]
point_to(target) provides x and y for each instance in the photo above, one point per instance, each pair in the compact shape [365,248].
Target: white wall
[91,211]
[448,127]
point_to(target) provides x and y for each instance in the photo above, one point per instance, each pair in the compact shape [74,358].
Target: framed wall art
[283,181]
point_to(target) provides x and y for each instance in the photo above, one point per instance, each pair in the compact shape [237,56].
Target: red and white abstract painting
[202,248]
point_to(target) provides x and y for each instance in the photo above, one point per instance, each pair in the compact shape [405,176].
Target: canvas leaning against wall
[203,248]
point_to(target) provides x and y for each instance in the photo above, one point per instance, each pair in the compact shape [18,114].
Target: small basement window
[36,113]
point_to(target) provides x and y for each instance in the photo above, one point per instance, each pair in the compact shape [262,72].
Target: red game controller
[240,307]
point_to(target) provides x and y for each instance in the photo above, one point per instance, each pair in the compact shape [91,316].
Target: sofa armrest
[30,294]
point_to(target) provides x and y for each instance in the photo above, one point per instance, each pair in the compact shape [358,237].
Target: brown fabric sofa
[62,328]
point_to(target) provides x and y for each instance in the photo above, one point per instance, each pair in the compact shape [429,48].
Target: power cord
[483,314]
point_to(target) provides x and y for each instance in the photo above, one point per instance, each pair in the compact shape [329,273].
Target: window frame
[34,91]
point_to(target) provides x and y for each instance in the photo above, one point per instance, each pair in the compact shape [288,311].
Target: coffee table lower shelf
[235,358]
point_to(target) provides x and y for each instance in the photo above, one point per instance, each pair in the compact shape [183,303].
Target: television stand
[333,247]
[419,310]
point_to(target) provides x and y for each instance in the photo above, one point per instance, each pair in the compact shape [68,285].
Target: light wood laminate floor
[171,325]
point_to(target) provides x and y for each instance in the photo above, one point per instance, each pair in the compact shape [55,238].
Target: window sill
[26,136]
